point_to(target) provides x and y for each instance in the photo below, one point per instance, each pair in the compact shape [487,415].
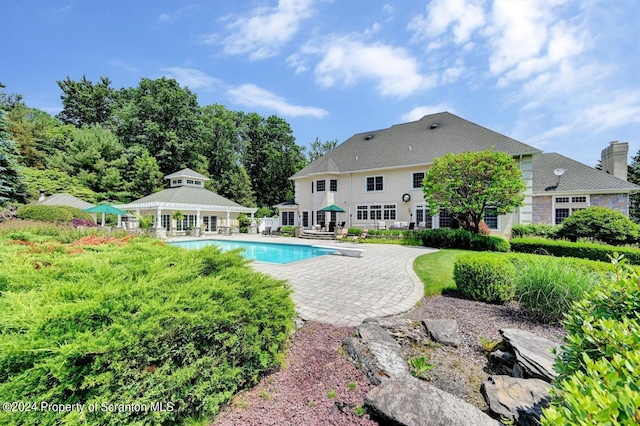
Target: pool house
[200,210]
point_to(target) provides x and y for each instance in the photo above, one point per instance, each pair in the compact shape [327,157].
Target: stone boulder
[412,402]
[446,332]
[516,399]
[379,355]
[533,353]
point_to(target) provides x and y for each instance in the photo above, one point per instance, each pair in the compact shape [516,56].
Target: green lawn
[436,270]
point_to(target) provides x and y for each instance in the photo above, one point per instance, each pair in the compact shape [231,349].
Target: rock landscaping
[401,398]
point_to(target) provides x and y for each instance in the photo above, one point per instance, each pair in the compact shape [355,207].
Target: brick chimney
[614,159]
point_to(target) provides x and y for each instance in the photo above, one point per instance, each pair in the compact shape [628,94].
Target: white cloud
[253,96]
[121,64]
[528,38]
[192,78]
[463,16]
[419,112]
[261,34]
[177,15]
[348,60]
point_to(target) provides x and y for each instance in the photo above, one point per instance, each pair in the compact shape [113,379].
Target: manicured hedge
[599,367]
[485,277]
[139,324]
[590,251]
[599,224]
[462,239]
[535,230]
[55,214]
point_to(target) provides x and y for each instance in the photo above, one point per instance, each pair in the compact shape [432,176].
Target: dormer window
[176,181]
[197,182]
[190,181]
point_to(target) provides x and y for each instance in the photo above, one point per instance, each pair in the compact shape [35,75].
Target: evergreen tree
[12,185]
[633,176]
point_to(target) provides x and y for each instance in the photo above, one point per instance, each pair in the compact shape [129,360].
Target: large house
[376,178]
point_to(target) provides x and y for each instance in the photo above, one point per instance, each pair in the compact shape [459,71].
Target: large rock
[446,332]
[516,399]
[379,355]
[533,353]
[412,402]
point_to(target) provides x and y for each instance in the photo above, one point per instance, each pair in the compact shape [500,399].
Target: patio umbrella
[105,208]
[332,208]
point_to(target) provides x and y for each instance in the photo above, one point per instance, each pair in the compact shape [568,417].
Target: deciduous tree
[318,149]
[467,184]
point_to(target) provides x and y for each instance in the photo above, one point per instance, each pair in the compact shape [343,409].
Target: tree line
[115,145]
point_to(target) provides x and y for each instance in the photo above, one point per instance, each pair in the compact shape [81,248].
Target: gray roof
[577,177]
[187,195]
[414,143]
[64,199]
[186,173]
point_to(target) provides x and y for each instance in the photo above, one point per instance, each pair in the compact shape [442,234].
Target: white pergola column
[197,218]
[119,222]
[158,217]
[228,218]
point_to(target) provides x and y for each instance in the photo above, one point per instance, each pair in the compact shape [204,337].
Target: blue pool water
[261,252]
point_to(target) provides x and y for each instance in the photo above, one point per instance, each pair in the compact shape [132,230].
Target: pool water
[261,252]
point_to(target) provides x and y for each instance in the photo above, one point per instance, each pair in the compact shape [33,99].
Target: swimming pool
[261,252]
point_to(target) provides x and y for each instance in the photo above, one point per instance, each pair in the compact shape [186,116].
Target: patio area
[342,290]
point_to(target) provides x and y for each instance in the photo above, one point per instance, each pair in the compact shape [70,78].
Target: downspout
[349,201]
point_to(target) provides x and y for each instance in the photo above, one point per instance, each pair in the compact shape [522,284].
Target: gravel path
[300,393]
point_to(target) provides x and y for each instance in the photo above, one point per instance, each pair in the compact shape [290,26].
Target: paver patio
[342,290]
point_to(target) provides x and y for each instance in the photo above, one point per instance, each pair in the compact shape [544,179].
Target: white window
[389,212]
[375,183]
[320,185]
[165,221]
[190,181]
[563,207]
[333,185]
[197,182]
[416,181]
[362,212]
[491,218]
[288,218]
[305,219]
[320,218]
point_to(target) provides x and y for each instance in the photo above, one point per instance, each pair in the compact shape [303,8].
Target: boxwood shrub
[462,239]
[55,214]
[599,224]
[590,251]
[485,277]
[599,367]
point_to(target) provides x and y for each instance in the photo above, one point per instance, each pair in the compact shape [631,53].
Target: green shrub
[546,287]
[244,220]
[138,324]
[599,368]
[590,251]
[535,230]
[462,239]
[599,224]
[288,231]
[55,214]
[355,231]
[485,277]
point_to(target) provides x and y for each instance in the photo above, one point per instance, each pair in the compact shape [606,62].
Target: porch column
[158,217]
[197,218]
[119,222]
[228,218]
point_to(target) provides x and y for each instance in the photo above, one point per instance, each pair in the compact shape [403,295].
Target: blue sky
[562,76]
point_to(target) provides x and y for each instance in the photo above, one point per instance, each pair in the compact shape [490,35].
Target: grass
[436,270]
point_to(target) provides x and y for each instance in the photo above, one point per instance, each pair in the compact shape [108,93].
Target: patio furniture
[361,237]
[342,234]
[422,226]
[267,231]
[277,232]
[412,226]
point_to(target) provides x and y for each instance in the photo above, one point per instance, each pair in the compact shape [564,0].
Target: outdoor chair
[412,226]
[267,231]
[277,232]
[362,237]
[342,234]
[332,226]
[342,224]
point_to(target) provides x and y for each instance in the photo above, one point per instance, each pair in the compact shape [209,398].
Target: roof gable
[415,143]
[187,195]
[64,199]
[186,173]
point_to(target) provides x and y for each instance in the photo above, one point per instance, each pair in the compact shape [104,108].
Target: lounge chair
[362,237]
[267,231]
[412,226]
[277,232]
[342,234]
[422,226]
[382,225]
[342,224]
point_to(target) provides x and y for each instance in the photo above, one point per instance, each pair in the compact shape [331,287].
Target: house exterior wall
[543,209]
[618,202]
[352,192]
